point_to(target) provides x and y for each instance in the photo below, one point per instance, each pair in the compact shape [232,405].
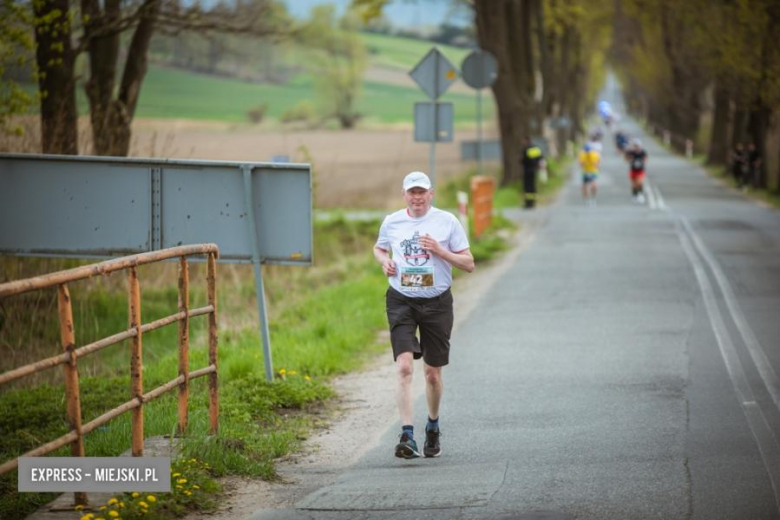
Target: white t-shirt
[419,273]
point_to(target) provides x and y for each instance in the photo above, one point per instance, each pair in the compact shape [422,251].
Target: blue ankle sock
[409,430]
[433,424]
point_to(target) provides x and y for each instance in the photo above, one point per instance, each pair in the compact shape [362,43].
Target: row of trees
[117,40]
[551,65]
[115,36]
[550,57]
[717,62]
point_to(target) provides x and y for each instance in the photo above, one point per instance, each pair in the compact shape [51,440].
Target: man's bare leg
[403,392]
[434,388]
[407,447]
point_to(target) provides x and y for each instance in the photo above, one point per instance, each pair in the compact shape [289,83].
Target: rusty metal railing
[70,356]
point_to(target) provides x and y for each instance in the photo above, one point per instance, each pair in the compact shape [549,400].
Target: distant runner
[621,141]
[589,161]
[425,243]
[595,141]
[605,111]
[637,157]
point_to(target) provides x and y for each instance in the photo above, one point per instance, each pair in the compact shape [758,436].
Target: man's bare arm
[382,256]
[460,259]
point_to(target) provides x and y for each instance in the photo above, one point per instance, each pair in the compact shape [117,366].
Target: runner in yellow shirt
[589,161]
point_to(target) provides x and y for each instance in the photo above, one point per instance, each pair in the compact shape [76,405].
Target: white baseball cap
[417,180]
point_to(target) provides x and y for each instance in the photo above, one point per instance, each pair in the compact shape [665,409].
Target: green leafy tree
[671,53]
[338,62]
[16,46]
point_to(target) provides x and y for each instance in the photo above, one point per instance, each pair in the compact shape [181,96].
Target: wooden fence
[70,356]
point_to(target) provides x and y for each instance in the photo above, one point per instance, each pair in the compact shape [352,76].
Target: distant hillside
[170,93]
[388,95]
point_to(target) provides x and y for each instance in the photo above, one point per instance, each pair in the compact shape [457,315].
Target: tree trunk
[719,139]
[738,130]
[496,32]
[683,106]
[103,54]
[120,112]
[547,48]
[758,128]
[55,58]
[563,90]
[544,65]
[577,84]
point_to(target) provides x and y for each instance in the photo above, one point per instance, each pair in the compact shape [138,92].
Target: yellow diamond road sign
[434,73]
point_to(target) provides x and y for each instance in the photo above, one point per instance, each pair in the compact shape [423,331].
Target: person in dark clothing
[637,158]
[621,141]
[530,158]
[753,158]
[739,164]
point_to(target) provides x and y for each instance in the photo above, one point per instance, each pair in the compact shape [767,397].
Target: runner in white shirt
[425,243]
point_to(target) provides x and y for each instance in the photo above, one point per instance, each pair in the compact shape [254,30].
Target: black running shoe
[432,448]
[406,448]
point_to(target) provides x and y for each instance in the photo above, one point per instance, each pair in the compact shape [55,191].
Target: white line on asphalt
[765,438]
[660,198]
[757,353]
[650,195]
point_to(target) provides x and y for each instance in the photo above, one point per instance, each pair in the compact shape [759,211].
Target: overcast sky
[400,13]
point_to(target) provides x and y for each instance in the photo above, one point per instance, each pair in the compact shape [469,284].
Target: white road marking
[765,438]
[660,199]
[757,353]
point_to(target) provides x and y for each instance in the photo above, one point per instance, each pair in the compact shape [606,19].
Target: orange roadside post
[482,189]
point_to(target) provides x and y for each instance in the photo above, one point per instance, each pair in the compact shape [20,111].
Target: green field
[404,53]
[168,93]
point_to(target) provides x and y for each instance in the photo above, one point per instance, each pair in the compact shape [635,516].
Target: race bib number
[416,278]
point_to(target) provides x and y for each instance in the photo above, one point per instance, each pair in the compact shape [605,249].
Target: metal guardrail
[71,354]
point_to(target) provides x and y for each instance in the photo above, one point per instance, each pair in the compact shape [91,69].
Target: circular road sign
[479,69]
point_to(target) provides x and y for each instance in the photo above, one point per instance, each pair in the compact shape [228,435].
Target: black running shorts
[434,318]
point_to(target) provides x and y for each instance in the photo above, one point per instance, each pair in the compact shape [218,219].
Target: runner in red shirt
[637,157]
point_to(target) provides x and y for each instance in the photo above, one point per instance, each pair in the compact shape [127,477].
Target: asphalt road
[624,367]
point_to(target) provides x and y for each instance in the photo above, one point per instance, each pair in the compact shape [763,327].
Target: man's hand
[461,259]
[388,267]
[429,243]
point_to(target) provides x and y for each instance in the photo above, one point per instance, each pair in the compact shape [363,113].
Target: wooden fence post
[136,362]
[213,381]
[68,340]
[184,342]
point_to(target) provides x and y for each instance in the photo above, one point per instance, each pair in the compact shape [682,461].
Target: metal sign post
[432,155]
[259,286]
[480,70]
[434,74]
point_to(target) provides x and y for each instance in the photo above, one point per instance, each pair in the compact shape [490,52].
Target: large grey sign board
[103,206]
[491,150]
[479,69]
[434,73]
[433,122]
